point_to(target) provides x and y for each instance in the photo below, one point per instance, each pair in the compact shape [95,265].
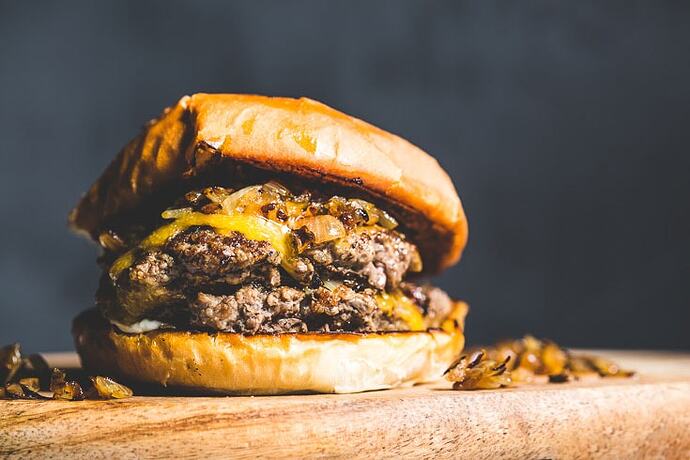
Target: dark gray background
[564,125]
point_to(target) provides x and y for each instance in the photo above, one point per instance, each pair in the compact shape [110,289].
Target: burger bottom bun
[227,363]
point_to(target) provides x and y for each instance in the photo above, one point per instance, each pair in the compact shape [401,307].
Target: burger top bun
[298,137]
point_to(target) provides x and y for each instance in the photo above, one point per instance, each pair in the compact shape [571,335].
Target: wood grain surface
[644,417]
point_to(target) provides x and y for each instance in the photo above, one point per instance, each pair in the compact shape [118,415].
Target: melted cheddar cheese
[253,227]
[400,306]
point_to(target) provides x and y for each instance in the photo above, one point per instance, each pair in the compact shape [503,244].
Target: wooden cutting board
[644,417]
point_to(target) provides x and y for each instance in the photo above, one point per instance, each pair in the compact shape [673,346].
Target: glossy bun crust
[224,363]
[298,137]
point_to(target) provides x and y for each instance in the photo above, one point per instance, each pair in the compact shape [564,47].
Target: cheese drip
[400,306]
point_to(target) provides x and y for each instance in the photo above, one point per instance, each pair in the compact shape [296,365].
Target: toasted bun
[268,364]
[295,136]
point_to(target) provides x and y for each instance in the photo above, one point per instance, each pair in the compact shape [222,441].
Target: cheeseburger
[260,245]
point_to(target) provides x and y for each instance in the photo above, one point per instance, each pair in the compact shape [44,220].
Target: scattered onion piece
[14,391]
[108,388]
[31,383]
[68,390]
[476,372]
[21,391]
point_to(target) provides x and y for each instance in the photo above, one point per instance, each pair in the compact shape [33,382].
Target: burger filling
[264,260]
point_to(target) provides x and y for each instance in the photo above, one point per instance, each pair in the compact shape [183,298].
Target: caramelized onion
[111,241]
[371,212]
[175,213]
[216,194]
[26,382]
[295,209]
[251,199]
[416,265]
[324,228]
[386,220]
[277,189]
[238,201]
[14,391]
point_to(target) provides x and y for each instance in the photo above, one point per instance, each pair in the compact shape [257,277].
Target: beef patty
[255,309]
[233,284]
